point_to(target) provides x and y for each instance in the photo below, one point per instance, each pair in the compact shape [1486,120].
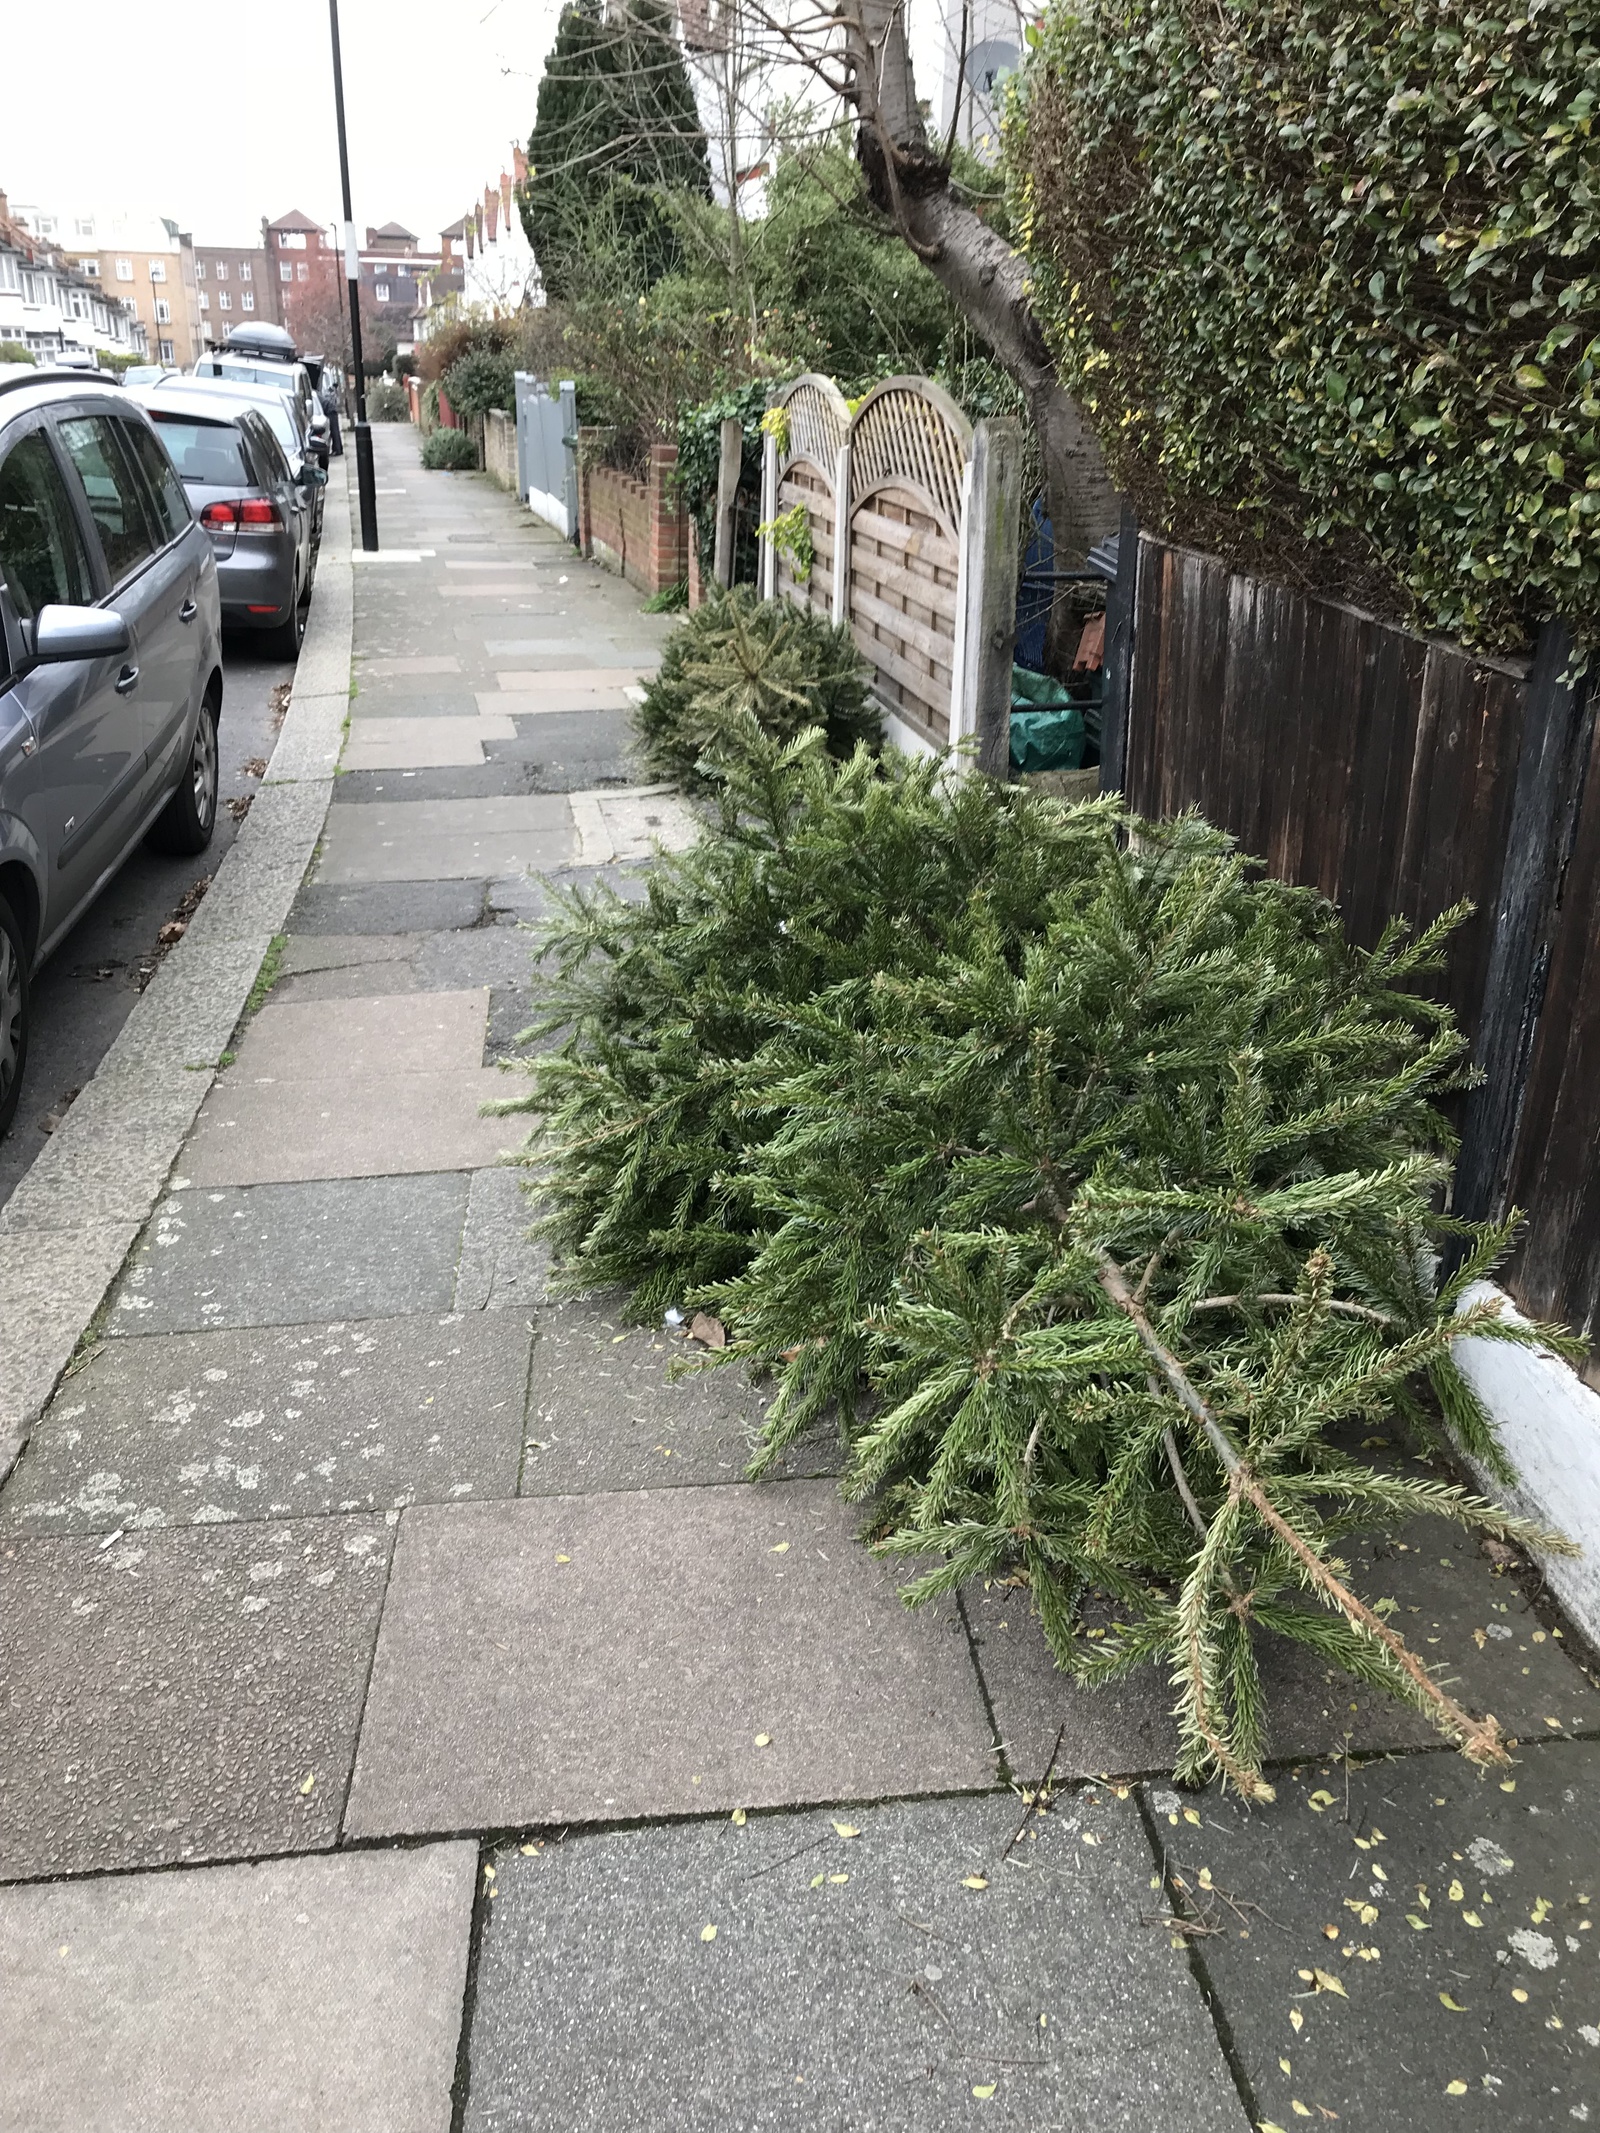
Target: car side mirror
[79,633]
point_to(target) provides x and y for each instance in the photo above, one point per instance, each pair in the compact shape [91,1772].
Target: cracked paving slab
[299,1996]
[782,1977]
[1454,1912]
[570,1659]
[214,1428]
[181,1696]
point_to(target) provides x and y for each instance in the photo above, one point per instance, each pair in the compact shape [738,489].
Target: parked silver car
[110,668]
[292,378]
[258,514]
[286,418]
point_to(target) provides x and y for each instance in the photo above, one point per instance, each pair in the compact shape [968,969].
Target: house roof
[296,219]
[395,229]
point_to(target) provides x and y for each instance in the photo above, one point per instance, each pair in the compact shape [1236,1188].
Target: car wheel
[185,824]
[284,642]
[13,1015]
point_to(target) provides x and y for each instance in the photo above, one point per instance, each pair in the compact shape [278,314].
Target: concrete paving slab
[279,1255]
[568,1659]
[350,981]
[618,824]
[503,774]
[52,1282]
[441,840]
[605,1413]
[501,1268]
[429,663]
[391,1034]
[1447,1597]
[300,1996]
[524,899]
[272,1423]
[1463,1931]
[582,681]
[386,701]
[495,956]
[305,954]
[538,653]
[423,743]
[388,907]
[850,1983]
[166,1698]
[555,703]
[280,1132]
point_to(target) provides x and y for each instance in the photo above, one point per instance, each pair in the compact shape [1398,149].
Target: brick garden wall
[632,526]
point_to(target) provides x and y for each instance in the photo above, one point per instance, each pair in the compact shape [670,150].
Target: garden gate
[911,517]
[547,451]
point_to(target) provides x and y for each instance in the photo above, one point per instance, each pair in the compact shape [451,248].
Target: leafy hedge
[1333,271]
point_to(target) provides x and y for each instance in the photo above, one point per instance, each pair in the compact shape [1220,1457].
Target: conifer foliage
[1085,1176]
[741,664]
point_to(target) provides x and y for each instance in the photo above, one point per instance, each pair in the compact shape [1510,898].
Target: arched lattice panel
[909,447]
[818,419]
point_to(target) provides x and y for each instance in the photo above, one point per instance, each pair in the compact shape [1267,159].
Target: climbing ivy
[1332,272]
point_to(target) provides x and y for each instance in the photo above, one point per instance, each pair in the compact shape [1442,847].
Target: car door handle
[188,611]
[127,679]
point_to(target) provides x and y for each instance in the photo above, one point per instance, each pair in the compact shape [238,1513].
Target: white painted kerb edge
[1549,1423]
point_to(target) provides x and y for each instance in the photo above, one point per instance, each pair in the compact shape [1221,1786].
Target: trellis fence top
[910,539]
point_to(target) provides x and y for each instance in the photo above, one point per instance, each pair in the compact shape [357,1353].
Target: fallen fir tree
[1087,1177]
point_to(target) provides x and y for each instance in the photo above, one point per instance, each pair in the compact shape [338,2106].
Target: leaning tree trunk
[910,182]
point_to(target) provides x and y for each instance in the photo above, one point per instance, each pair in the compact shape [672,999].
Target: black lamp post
[366,488]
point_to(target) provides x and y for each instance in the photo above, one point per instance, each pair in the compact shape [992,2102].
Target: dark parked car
[258,514]
[110,668]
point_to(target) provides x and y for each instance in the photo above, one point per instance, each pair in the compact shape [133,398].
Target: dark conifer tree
[616,127]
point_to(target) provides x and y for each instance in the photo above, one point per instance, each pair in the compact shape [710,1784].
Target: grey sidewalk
[412,1719]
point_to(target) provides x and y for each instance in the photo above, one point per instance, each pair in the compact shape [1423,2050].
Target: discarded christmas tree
[1090,1180]
[741,665]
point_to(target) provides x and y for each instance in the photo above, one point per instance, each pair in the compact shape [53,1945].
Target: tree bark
[910,182]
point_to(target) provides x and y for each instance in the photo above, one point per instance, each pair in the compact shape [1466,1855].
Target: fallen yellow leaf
[1455,2088]
[1519,1995]
[1454,2006]
[1205,1877]
[311,1779]
[1287,2068]
[739,1818]
[1540,1911]
[1189,1815]
[528,1851]
[708,1932]
[845,1829]
[1268,2125]
[816,1881]
[1297,2020]
[984,2089]
[1471,1918]
[1457,1892]
[1417,1925]
[1299,2109]
[837,1878]
[763,1740]
[974,1881]
[781,1549]
[563,1558]
[1327,1982]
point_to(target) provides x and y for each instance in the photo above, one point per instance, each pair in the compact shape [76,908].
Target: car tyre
[14,1015]
[185,824]
[284,642]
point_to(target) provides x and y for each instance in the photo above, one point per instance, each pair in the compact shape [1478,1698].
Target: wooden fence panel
[803,483]
[1555,1172]
[1346,754]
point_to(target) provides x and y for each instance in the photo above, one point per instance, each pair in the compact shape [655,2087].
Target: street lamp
[366,488]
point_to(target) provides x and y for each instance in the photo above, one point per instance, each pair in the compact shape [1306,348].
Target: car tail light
[259,511]
[219,518]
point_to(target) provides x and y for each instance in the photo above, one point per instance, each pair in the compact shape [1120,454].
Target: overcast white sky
[216,114]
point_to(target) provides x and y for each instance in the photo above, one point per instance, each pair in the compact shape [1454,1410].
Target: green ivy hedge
[1331,273]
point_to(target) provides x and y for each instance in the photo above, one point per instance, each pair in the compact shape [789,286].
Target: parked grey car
[258,515]
[110,668]
[286,418]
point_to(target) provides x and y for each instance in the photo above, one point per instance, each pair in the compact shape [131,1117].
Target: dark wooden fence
[1401,774]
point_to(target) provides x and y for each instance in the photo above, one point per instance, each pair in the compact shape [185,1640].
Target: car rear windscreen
[210,454]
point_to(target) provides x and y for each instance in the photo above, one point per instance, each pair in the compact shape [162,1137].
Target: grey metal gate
[547,451]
